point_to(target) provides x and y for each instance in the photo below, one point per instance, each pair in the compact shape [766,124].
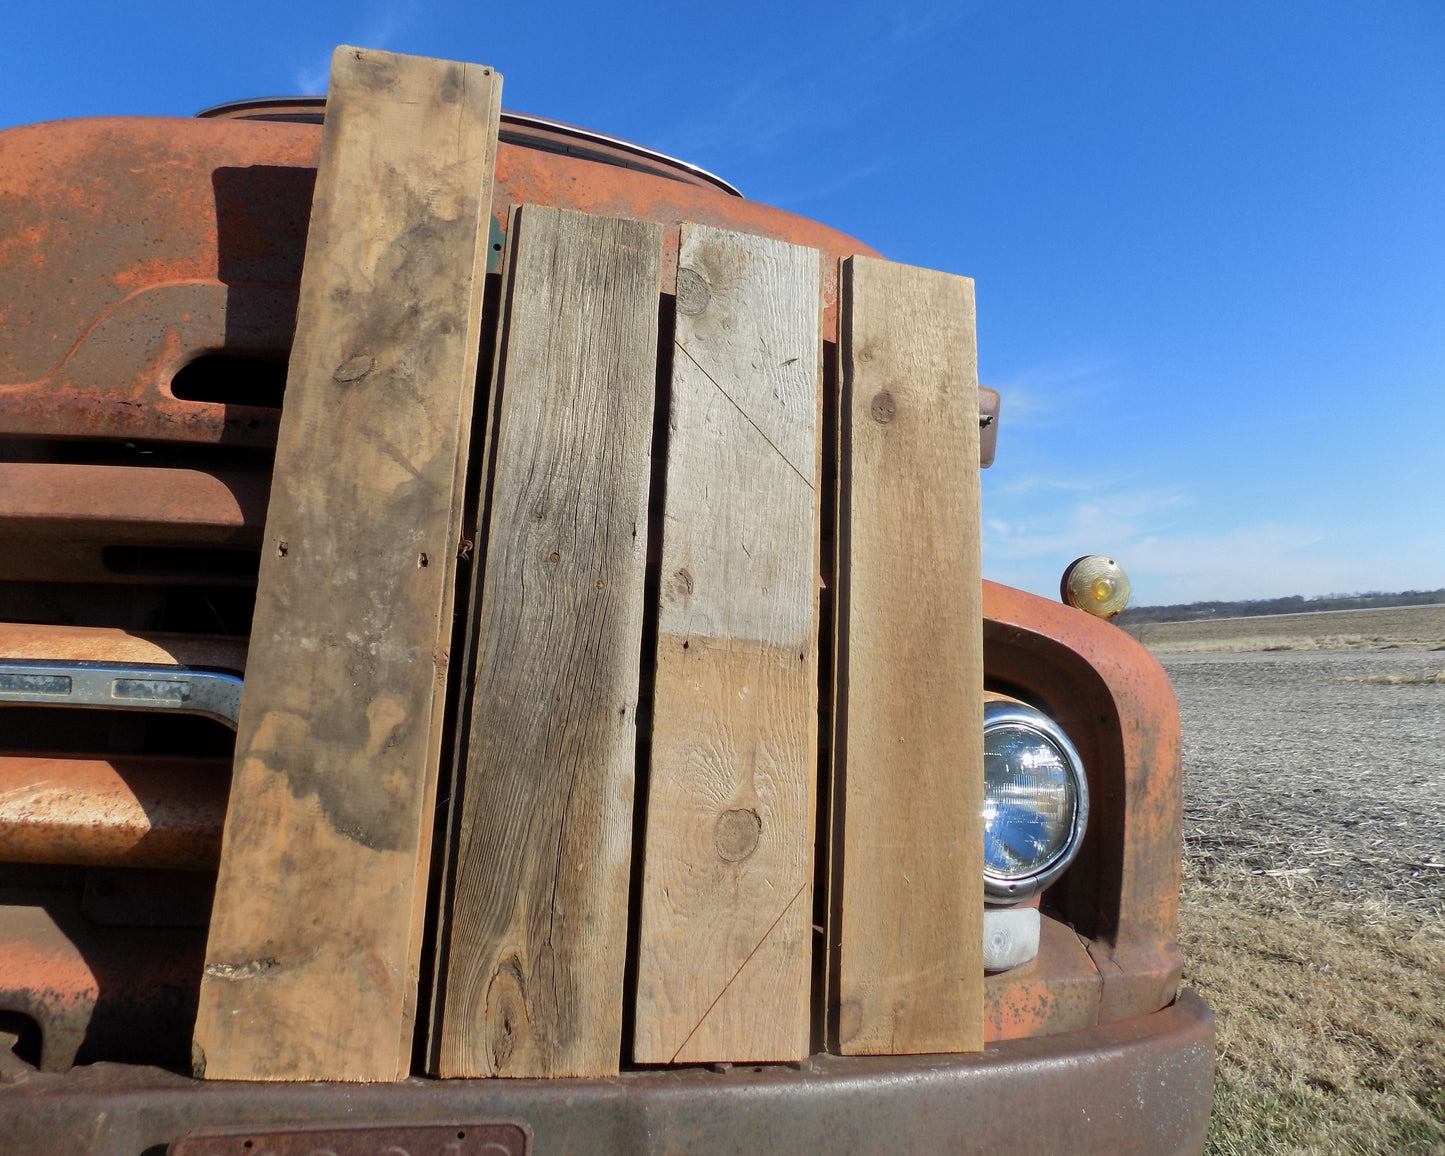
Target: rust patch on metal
[1116,703]
[120,811]
[118,992]
[98,342]
[130,503]
[96,347]
[1057,992]
[1140,1086]
[108,644]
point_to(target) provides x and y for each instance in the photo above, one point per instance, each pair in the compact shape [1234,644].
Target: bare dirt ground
[1313,909]
[1322,767]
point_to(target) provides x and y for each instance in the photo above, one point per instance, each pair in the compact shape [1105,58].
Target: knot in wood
[354,369]
[693,292]
[883,407]
[738,833]
[506,1012]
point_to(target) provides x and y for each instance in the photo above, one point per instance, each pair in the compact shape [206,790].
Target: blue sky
[1208,239]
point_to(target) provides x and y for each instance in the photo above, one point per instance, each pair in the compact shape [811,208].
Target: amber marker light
[1096,584]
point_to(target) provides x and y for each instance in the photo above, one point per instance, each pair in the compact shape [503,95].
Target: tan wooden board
[910,752]
[539,911]
[311,965]
[725,943]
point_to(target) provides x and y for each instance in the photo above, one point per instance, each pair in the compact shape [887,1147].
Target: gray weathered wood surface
[725,942]
[311,965]
[539,908]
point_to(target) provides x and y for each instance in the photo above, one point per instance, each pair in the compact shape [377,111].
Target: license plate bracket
[466,1138]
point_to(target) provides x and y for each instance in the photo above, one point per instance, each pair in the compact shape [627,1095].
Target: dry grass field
[1313,910]
[1395,628]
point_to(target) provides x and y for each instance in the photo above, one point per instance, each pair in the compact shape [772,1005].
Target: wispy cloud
[311,79]
[1172,555]
[1055,393]
[1092,519]
[1244,562]
[1041,483]
[814,192]
[913,22]
[769,106]
[377,28]
[781,95]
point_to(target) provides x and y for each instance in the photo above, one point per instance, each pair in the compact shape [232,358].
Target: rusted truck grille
[139,407]
[134,504]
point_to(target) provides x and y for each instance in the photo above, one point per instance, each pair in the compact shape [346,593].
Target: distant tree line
[1293,604]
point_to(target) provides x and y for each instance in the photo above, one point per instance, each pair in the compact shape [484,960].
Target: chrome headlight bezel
[998,888]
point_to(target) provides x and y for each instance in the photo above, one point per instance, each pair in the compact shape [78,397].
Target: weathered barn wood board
[911,675]
[477,519]
[725,941]
[539,910]
[311,967]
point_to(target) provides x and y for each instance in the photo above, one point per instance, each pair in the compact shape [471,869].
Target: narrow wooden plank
[539,916]
[311,966]
[724,958]
[831,635]
[452,777]
[911,675]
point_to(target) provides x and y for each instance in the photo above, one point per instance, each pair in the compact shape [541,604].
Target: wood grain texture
[725,941]
[478,519]
[539,914]
[311,965]
[911,673]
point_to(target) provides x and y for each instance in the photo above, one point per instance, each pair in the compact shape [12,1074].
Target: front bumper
[1142,1085]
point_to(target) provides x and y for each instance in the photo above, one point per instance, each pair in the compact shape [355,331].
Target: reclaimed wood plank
[910,968]
[315,939]
[725,941]
[539,913]
[479,512]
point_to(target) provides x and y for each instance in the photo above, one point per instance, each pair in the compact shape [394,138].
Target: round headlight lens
[1035,801]
[1030,801]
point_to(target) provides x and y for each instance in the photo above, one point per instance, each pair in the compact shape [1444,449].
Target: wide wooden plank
[539,914]
[725,942]
[911,672]
[311,966]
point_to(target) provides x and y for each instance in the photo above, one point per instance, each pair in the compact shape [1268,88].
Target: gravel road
[1321,769]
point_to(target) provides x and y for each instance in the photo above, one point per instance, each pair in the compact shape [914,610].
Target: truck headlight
[1035,801]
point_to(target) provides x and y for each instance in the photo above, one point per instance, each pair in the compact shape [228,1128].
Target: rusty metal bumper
[1142,1085]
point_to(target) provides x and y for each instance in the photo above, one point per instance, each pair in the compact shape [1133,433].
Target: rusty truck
[149,273]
